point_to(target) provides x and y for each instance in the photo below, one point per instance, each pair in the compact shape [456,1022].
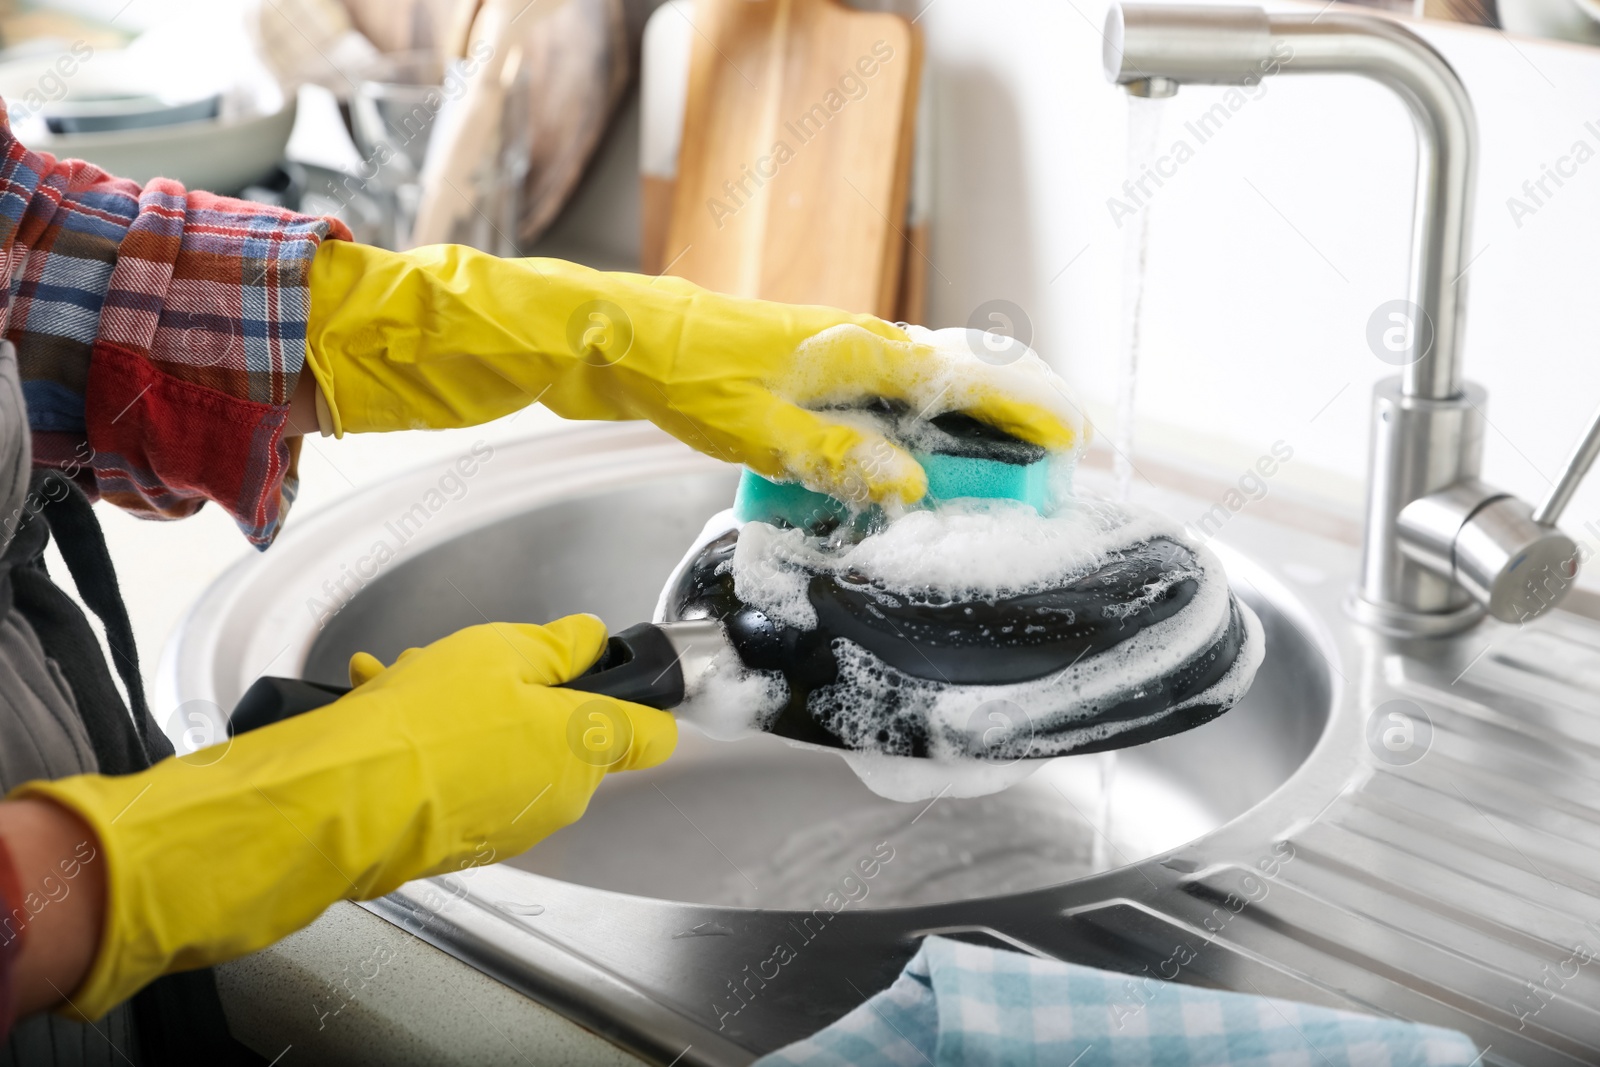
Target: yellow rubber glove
[448,336]
[459,755]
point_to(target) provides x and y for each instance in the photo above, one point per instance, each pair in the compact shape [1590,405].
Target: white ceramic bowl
[219,156]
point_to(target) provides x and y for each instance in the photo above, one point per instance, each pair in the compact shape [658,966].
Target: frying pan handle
[270,700]
[639,665]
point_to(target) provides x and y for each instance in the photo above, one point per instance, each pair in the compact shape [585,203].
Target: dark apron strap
[73,523]
[119,745]
[179,1017]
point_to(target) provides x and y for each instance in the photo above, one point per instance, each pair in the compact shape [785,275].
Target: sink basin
[757,823]
[1288,844]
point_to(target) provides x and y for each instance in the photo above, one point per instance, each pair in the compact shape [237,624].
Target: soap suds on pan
[981,738]
[966,550]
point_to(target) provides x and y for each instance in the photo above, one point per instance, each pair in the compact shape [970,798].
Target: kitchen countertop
[354,989]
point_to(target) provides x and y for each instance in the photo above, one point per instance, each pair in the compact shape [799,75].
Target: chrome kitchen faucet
[1441,547]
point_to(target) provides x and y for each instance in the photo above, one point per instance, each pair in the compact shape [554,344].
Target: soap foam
[970,550]
[966,550]
[909,780]
[730,701]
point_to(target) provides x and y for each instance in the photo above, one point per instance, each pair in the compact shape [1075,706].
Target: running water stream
[1144,138]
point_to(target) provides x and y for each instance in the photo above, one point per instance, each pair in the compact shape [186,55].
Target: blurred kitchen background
[983,190]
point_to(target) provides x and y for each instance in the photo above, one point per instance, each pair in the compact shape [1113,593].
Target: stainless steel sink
[759,823]
[1307,844]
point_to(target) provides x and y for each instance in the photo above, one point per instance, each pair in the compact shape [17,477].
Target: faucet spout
[1241,45]
[1441,547]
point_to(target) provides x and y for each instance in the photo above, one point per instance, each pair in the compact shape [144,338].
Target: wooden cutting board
[796,151]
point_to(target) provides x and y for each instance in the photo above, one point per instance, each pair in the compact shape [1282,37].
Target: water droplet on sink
[519,909]
[706,929]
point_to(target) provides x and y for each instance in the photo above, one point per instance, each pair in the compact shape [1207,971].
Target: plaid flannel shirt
[160,334]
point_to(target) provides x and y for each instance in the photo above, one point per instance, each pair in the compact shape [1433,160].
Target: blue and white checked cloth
[960,1005]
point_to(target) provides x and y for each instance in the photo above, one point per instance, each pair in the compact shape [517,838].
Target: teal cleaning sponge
[954,477]
[949,478]
[964,459]
[760,499]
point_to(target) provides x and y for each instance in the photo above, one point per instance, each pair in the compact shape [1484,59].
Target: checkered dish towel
[960,1004]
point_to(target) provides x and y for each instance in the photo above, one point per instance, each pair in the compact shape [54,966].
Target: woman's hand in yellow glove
[448,336]
[460,754]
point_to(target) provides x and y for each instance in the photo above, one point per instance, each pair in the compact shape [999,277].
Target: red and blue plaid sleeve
[160,334]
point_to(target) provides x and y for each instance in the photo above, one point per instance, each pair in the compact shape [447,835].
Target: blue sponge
[949,478]
[954,477]
[760,499]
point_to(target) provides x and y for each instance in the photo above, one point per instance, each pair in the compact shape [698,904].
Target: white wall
[1253,328]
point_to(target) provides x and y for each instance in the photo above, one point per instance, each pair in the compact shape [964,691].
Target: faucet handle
[1487,541]
[1508,555]
[1578,464]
